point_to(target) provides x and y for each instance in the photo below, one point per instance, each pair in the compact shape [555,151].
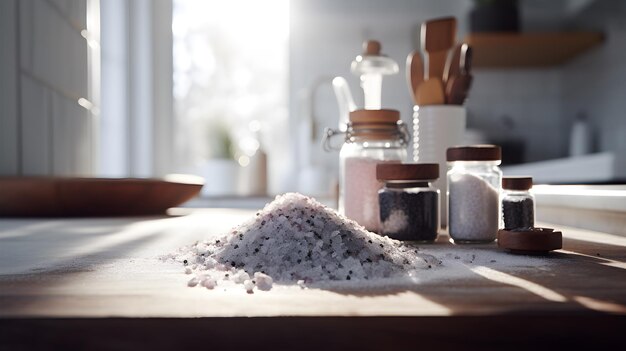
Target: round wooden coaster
[530,241]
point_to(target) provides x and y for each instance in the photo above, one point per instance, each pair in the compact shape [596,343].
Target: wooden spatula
[430,92]
[437,37]
[414,72]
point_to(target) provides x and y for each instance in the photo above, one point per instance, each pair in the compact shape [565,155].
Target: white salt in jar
[474,183]
[372,137]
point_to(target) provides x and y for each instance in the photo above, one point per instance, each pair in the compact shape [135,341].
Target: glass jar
[372,137]
[409,204]
[518,204]
[474,181]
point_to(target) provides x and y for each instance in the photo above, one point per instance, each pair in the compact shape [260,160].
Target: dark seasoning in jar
[518,204]
[409,206]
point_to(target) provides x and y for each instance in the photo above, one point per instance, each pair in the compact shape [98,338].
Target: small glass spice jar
[372,137]
[474,180]
[409,204]
[518,204]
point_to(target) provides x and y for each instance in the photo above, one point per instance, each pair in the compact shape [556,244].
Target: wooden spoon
[430,92]
[437,37]
[414,73]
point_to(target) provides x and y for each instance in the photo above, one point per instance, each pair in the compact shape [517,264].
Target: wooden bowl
[87,197]
[530,241]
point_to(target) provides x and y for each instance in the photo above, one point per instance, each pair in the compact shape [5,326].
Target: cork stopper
[407,171]
[517,183]
[371,48]
[474,153]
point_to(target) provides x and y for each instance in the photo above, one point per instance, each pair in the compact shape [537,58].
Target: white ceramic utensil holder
[435,129]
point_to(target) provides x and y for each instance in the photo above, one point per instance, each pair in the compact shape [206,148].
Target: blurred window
[230,80]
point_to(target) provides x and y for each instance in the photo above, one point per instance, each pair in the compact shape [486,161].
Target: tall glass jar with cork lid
[474,182]
[372,137]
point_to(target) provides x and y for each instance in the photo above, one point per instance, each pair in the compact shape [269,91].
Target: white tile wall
[595,83]
[43,130]
[60,52]
[530,98]
[9,147]
[35,126]
[71,155]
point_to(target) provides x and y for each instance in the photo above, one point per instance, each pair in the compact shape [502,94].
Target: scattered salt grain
[192,282]
[249,286]
[188,270]
[208,283]
[241,276]
[263,281]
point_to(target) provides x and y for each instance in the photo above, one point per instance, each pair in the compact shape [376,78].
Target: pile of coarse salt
[296,240]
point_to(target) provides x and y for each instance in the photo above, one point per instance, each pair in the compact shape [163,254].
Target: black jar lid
[517,183]
[474,153]
[407,171]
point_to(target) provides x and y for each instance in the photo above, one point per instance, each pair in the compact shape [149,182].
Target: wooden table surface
[101,270]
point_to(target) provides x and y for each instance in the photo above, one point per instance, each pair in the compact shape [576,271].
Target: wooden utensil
[430,92]
[457,89]
[437,37]
[414,72]
[453,64]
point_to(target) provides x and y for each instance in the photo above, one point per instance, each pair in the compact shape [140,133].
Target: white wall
[595,83]
[43,74]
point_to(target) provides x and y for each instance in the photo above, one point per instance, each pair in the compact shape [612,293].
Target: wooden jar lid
[474,153]
[530,240]
[407,171]
[375,116]
[517,183]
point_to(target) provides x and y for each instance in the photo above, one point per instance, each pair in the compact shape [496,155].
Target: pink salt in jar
[372,137]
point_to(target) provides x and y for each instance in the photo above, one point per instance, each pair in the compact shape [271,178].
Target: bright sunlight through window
[230,81]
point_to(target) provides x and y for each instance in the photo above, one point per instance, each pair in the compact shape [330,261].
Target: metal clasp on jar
[401,133]
[329,133]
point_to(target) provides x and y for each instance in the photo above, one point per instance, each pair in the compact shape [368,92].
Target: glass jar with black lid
[518,204]
[409,204]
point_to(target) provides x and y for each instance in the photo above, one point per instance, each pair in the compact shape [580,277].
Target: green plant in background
[220,143]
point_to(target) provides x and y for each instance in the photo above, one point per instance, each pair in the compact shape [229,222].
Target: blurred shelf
[519,50]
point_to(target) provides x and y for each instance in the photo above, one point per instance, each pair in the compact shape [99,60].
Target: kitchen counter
[103,277]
